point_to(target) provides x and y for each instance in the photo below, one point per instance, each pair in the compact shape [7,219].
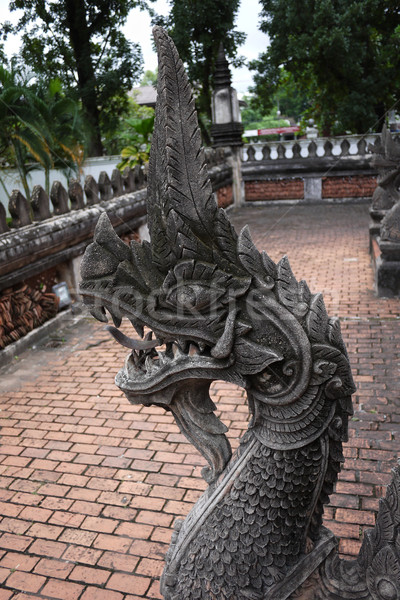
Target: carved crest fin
[180,197]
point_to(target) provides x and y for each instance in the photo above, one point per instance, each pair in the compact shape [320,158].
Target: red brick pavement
[90,485]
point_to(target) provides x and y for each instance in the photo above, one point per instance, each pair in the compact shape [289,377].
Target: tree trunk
[47,181]
[381,114]
[21,166]
[205,134]
[206,92]
[79,35]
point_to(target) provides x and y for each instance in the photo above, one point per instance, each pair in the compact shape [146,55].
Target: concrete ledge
[344,166]
[303,201]
[29,244]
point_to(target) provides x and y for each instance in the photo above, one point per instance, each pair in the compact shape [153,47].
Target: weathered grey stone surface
[91,190]
[75,193]
[312,188]
[31,250]
[218,309]
[40,204]
[226,128]
[3,220]
[386,158]
[385,214]
[317,166]
[117,183]
[105,187]
[390,226]
[19,209]
[128,178]
[139,177]
[59,198]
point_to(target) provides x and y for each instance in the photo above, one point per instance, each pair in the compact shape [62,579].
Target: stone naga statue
[386,197]
[220,309]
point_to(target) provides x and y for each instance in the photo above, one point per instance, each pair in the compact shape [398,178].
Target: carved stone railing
[77,197]
[49,231]
[91,192]
[309,170]
[28,251]
[49,235]
[352,145]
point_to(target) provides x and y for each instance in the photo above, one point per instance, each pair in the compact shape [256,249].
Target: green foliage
[121,136]
[137,136]
[149,78]
[39,125]
[197,28]
[268,121]
[81,43]
[342,55]
[60,122]
[21,141]
[138,111]
[253,117]
[252,113]
[292,102]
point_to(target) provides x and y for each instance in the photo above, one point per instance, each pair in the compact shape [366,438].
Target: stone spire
[222,76]
[226,129]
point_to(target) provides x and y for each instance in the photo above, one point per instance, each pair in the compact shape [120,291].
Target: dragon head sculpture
[215,308]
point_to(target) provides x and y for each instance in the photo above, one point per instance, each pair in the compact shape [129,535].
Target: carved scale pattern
[253,535]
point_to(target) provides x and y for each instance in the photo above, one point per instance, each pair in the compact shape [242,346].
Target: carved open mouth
[154,363]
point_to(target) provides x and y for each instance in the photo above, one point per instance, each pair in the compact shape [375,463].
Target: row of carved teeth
[147,361]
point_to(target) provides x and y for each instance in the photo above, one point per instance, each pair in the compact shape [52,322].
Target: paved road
[90,485]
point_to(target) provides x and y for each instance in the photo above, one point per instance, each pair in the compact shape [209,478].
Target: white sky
[138,29]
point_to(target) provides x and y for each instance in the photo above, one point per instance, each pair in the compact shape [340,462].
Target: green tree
[197,28]
[137,136]
[121,135]
[251,114]
[149,78]
[343,56]
[39,126]
[254,117]
[291,101]
[81,43]
[22,143]
[60,124]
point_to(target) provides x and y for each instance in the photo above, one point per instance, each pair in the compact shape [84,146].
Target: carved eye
[192,296]
[194,285]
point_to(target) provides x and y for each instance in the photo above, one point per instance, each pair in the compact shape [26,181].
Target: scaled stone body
[218,309]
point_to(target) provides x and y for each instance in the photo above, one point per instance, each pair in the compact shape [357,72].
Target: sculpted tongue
[131,343]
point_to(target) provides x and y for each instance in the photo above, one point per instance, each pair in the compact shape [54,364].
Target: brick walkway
[90,485]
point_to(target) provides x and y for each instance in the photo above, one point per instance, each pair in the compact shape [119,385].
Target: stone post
[227,129]
[385,213]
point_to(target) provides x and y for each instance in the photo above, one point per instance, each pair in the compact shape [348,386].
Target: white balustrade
[350,145]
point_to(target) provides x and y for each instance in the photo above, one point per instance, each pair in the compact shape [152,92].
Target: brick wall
[356,186]
[274,189]
[225,196]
